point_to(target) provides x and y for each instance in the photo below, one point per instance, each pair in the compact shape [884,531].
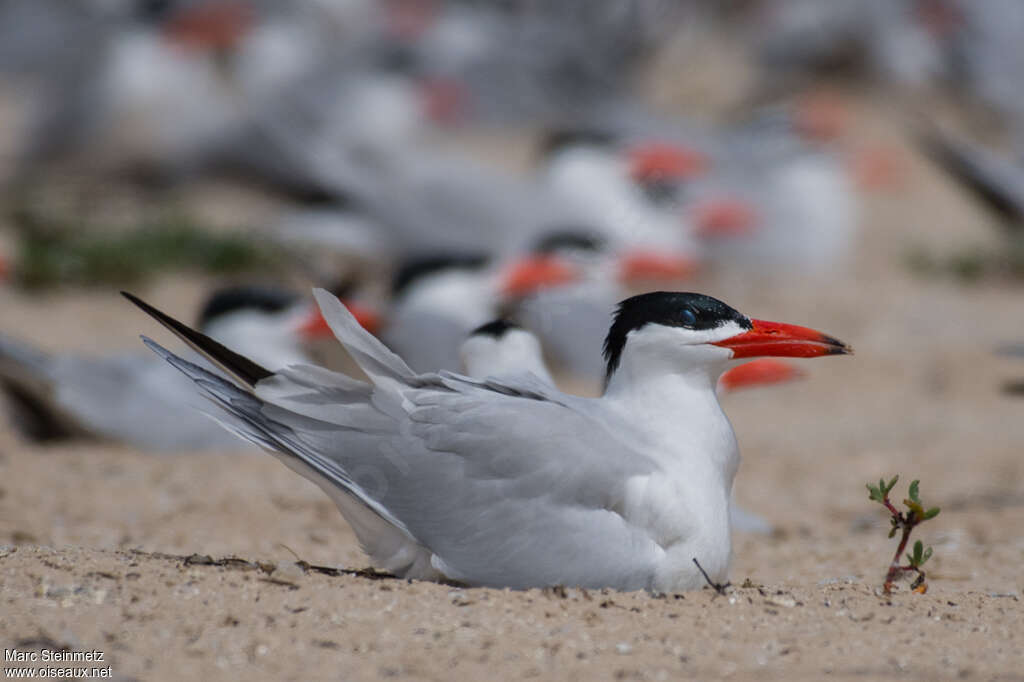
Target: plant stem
[906,524]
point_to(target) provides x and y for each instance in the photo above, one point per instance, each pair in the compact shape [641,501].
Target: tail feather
[269,413]
[248,419]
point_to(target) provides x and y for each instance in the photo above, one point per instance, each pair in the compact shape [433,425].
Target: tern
[512,483]
[136,399]
[438,300]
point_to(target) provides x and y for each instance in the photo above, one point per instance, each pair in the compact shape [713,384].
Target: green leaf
[915,507]
[892,532]
[915,558]
[892,483]
[914,486]
[931,513]
[927,556]
[874,493]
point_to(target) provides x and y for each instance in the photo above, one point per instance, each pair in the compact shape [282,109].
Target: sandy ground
[105,548]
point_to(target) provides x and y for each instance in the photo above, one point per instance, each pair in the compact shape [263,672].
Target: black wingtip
[237,365]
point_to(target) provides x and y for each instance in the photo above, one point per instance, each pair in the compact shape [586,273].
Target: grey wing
[517,491]
[503,486]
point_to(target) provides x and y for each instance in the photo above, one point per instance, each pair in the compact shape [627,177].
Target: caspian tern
[513,483]
[129,398]
[506,351]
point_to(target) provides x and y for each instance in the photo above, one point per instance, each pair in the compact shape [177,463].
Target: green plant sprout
[904,522]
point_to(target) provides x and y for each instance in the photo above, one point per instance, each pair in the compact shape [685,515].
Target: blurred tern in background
[130,399]
[438,301]
[514,483]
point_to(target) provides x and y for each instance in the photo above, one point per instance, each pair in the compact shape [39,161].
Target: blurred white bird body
[500,349]
[429,320]
[596,182]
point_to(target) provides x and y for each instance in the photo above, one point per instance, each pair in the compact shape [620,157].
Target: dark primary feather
[237,365]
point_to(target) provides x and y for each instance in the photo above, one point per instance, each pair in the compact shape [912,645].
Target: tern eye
[687,317]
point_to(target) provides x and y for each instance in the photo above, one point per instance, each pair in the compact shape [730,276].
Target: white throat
[665,384]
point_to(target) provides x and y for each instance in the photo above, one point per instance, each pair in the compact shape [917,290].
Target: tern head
[502,348]
[686,332]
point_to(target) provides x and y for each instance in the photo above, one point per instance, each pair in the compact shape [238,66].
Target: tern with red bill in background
[439,300]
[512,483]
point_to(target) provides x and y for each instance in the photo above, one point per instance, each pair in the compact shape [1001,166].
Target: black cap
[558,140]
[568,237]
[424,266]
[245,297]
[496,328]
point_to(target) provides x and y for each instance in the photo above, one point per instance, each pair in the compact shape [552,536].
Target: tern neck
[679,414]
[648,381]
[673,404]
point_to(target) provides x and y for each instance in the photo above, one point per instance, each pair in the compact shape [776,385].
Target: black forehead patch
[496,328]
[559,140]
[245,297]
[670,309]
[568,237]
[425,266]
